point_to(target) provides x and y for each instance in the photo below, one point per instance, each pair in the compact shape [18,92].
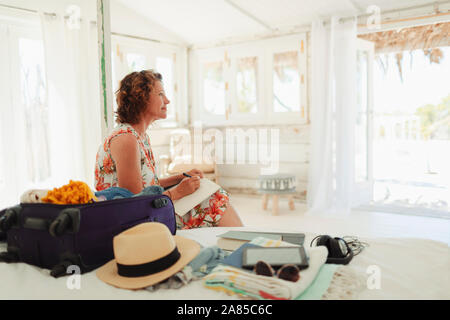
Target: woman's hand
[185,187]
[195,172]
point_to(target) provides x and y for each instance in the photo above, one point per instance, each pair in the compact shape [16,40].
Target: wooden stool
[275,186]
[275,198]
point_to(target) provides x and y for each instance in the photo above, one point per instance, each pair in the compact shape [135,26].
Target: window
[165,67]
[362,114]
[24,135]
[246,85]
[214,88]
[130,55]
[136,62]
[35,110]
[258,83]
[286,82]
[115,81]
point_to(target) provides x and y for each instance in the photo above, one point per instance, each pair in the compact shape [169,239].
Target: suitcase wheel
[60,269]
[59,226]
[9,257]
[67,220]
[68,259]
[8,220]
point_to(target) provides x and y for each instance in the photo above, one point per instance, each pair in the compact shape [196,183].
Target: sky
[423,84]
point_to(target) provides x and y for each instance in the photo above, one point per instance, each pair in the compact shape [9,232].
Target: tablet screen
[279,256]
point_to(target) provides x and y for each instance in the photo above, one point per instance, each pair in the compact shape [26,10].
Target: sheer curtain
[50,125]
[73,98]
[333,105]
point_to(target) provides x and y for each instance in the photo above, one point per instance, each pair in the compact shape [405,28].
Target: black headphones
[339,251]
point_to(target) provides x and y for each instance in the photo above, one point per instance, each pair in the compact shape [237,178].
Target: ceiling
[202,21]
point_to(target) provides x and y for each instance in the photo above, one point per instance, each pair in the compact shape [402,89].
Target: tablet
[276,257]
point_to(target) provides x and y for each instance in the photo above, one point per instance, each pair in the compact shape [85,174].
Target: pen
[186,175]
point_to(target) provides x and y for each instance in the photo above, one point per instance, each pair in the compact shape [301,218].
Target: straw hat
[147,254]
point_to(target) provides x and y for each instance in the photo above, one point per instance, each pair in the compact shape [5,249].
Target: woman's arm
[170,181]
[126,156]
[184,188]
[185,185]
[173,180]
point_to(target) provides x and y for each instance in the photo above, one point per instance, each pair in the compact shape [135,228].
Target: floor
[358,223]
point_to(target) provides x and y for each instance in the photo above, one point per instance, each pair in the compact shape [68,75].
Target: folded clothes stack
[77,192]
[114,193]
[203,264]
[247,284]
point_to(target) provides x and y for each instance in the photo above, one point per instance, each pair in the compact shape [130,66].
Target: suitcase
[56,236]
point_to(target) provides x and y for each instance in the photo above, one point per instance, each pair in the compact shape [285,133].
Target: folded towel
[247,284]
[333,281]
[203,263]
[321,283]
[120,193]
[149,191]
[113,193]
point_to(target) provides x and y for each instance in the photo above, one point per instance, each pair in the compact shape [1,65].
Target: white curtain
[71,62]
[333,105]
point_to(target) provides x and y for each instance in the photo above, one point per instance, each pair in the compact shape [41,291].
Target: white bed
[409,269]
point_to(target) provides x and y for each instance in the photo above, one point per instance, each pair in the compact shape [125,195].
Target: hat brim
[108,273]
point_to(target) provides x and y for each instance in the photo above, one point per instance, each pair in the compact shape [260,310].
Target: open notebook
[185,204]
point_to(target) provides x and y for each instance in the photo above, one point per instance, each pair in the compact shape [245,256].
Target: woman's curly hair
[133,95]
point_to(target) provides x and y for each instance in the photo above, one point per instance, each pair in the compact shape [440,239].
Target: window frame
[263,50]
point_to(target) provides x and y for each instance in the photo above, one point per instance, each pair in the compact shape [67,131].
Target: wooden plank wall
[293,158]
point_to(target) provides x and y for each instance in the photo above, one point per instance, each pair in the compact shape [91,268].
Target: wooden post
[104,52]
[265,200]
[291,202]
[275,205]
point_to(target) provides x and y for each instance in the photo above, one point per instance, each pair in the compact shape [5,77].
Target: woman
[126,160]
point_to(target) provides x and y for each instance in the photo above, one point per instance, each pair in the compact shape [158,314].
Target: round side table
[277,185]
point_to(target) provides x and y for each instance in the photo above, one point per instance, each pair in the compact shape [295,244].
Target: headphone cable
[353,242]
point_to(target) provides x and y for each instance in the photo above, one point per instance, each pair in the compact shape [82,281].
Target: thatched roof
[421,37]
[428,38]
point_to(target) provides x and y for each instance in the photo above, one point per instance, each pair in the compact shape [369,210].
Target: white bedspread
[409,269]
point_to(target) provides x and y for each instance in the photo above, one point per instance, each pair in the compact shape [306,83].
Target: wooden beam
[248,14]
[104,50]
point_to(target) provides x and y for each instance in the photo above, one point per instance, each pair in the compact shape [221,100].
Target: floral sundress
[205,214]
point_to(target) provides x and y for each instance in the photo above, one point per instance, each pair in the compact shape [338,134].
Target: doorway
[411,134]
[408,137]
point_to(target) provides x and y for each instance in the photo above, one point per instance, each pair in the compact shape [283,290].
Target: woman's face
[157,106]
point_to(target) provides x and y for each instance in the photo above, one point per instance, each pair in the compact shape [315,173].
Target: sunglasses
[289,272]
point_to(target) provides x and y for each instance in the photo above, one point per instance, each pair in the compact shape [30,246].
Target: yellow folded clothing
[76,192]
